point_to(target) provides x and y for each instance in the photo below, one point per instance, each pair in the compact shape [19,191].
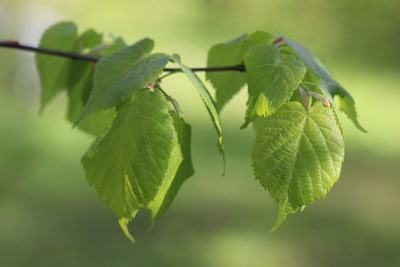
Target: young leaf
[53,71]
[271,79]
[297,155]
[207,100]
[129,164]
[227,84]
[332,86]
[118,76]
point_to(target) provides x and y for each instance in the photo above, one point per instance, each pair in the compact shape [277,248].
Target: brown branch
[48,51]
[85,57]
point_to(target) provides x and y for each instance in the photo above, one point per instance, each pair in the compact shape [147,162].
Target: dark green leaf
[297,155]
[79,85]
[53,70]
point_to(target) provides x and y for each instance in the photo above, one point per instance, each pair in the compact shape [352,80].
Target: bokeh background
[49,216]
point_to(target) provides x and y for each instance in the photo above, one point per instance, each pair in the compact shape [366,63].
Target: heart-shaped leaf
[297,155]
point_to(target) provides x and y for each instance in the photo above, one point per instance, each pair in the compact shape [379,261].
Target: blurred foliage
[51,217]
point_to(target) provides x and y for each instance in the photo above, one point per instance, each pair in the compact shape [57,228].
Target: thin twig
[48,51]
[86,57]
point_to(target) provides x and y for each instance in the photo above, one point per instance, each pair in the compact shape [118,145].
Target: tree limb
[86,57]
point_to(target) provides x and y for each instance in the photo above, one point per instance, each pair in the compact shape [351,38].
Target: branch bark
[86,57]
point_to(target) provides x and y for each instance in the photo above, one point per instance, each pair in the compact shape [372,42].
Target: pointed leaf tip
[123,223]
[347,105]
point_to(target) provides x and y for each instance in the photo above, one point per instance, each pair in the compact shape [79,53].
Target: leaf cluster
[141,153]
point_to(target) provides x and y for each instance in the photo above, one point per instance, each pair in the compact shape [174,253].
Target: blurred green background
[49,216]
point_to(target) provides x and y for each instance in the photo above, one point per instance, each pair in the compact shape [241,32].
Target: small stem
[86,57]
[239,67]
[305,98]
[278,41]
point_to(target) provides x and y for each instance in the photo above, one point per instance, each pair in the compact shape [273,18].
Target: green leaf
[347,105]
[332,87]
[228,84]
[141,151]
[79,86]
[170,188]
[118,76]
[271,79]
[207,100]
[107,49]
[89,39]
[172,184]
[297,155]
[53,71]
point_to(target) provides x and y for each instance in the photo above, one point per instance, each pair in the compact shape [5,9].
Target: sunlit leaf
[170,188]
[297,155]
[141,151]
